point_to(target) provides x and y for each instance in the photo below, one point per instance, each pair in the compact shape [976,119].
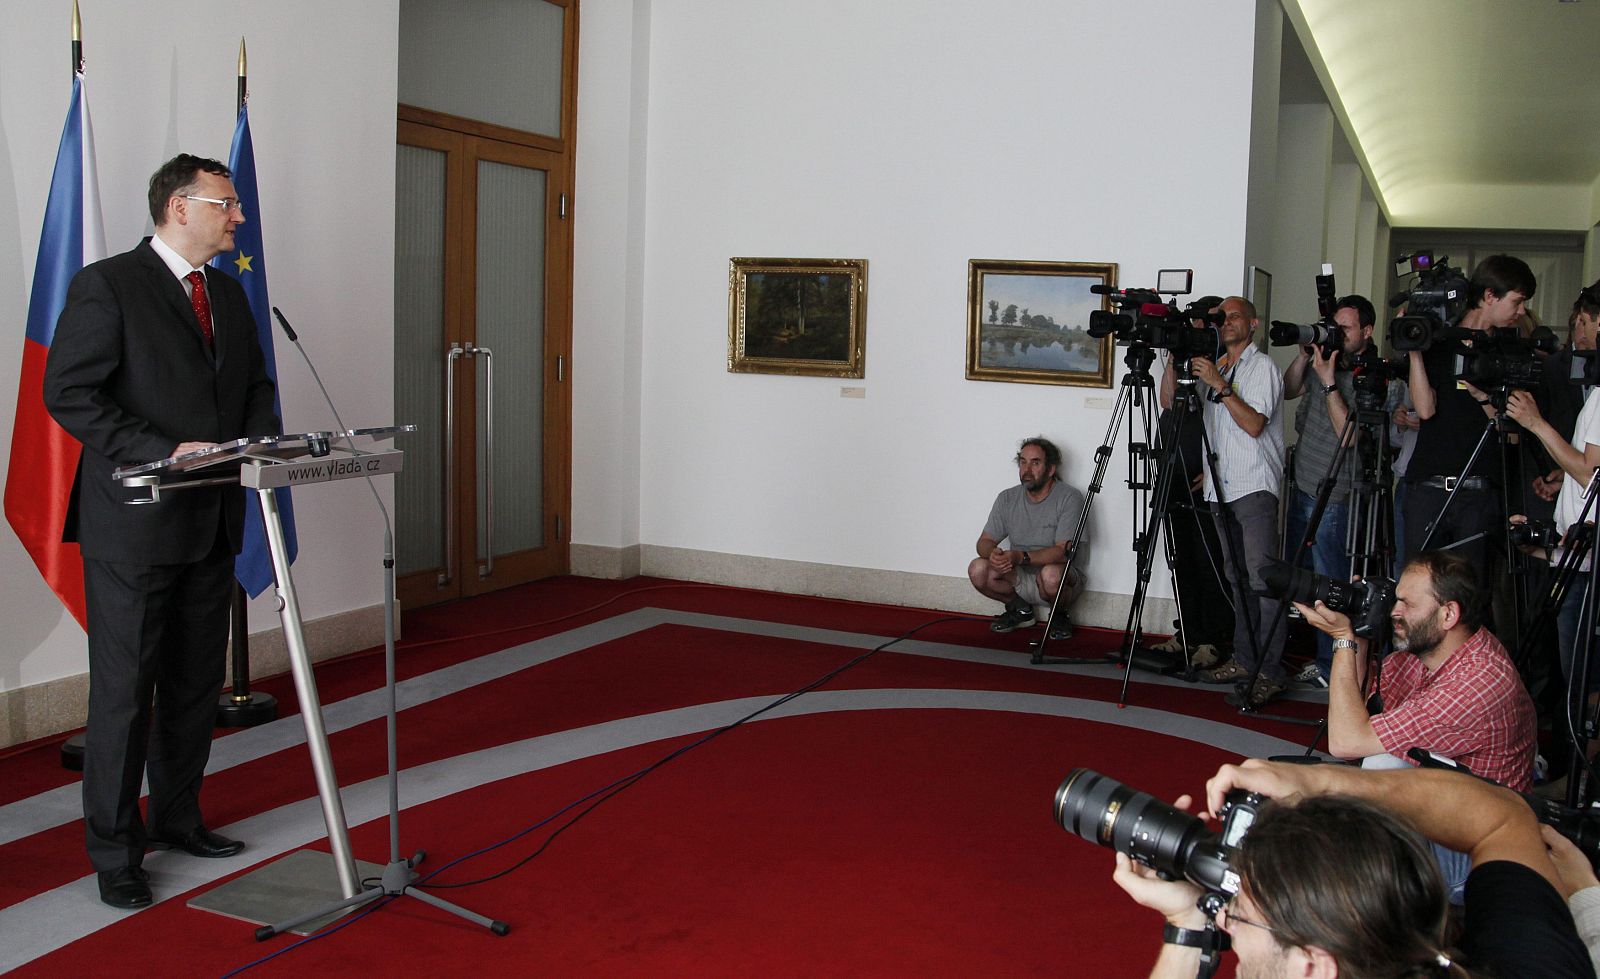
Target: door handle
[457,351]
[486,561]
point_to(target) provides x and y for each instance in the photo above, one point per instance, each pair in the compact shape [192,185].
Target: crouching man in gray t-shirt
[1037,519]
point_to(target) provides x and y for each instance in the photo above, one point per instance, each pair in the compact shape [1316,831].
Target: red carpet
[869,842]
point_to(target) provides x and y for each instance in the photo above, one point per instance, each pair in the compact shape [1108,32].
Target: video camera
[1439,297]
[1143,319]
[1501,361]
[1164,838]
[1367,602]
[1324,334]
[1371,374]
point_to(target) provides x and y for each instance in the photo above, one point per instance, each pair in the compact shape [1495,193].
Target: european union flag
[246,263]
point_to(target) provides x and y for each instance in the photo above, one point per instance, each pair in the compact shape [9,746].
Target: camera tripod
[1137,393]
[1582,724]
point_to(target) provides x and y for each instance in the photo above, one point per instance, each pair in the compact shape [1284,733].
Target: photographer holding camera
[1447,687]
[1578,458]
[1320,419]
[1454,415]
[1243,418]
[1335,880]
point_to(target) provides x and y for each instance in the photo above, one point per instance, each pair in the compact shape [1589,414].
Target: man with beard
[1324,386]
[1448,686]
[1038,519]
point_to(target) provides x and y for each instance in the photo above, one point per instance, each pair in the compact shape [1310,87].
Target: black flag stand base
[72,753]
[242,707]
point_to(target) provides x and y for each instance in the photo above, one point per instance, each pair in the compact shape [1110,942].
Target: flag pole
[242,707]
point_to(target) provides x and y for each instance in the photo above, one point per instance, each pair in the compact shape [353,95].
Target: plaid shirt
[1473,709]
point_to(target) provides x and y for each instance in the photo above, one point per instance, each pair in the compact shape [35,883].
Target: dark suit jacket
[130,377]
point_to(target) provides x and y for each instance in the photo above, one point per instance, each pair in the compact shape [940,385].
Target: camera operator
[1577,458]
[1447,687]
[1319,419]
[1454,415]
[1334,879]
[1243,417]
[1204,611]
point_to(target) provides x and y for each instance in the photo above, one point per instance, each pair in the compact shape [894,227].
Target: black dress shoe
[198,842]
[128,887]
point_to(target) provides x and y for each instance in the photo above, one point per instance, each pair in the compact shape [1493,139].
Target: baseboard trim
[1106,610]
[595,561]
[42,710]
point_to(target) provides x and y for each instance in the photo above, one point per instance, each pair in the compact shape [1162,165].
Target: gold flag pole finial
[244,93]
[77,39]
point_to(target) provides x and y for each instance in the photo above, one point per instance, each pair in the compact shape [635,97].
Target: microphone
[288,330]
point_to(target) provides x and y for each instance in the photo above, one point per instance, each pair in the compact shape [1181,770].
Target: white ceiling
[1464,113]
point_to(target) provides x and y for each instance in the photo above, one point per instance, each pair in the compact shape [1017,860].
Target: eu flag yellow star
[243,261]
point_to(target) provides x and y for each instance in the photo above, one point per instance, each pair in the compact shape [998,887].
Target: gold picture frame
[800,316]
[1028,322]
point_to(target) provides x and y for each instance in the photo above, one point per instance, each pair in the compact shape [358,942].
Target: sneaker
[1311,674]
[1013,618]
[1263,693]
[1061,628]
[1229,672]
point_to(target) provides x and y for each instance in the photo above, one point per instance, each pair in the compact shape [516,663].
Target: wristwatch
[1345,644]
[1226,392]
[1329,388]
[1188,937]
[1027,558]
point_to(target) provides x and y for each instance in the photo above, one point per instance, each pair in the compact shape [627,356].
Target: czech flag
[44,458]
[253,566]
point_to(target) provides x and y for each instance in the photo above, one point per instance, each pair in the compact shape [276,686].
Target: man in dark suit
[154,356]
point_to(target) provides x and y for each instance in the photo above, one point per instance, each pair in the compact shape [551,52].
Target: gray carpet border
[58,806]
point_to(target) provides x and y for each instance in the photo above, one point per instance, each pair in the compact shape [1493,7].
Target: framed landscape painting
[797,316]
[1028,322]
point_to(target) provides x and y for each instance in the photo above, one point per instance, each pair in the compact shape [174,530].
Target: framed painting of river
[1029,322]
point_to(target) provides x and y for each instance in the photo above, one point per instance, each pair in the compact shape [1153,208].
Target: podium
[264,464]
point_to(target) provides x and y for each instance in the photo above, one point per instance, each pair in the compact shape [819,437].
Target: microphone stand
[397,873]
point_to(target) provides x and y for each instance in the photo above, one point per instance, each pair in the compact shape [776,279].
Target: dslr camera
[1164,838]
[1325,334]
[1534,533]
[1367,602]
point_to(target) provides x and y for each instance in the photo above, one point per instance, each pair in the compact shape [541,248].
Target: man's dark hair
[1365,314]
[1500,274]
[1052,455]
[1352,879]
[1588,301]
[1454,579]
[175,178]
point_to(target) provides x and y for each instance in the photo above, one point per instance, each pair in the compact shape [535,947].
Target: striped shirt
[1473,709]
[1246,464]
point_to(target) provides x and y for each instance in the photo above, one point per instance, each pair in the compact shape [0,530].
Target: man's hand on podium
[184,448]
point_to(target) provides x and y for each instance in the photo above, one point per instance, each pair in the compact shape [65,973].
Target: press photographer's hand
[1177,900]
[1324,619]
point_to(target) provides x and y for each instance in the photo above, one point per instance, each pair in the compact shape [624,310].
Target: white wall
[161,79]
[916,136]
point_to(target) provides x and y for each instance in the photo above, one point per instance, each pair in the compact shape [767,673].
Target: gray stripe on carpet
[64,804]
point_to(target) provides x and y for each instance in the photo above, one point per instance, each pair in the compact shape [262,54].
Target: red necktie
[202,305]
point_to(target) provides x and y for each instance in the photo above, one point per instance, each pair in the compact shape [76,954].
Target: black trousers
[158,636]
